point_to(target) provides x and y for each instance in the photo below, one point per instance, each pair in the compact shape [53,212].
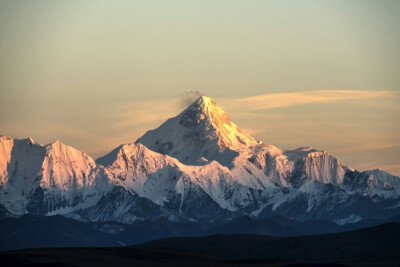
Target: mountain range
[197,167]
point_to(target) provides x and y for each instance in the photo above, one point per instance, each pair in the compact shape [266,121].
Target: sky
[97,74]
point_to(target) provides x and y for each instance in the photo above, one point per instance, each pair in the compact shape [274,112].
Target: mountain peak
[204,105]
[204,109]
[5,138]
[205,100]
[202,131]
[56,142]
[56,145]
[57,149]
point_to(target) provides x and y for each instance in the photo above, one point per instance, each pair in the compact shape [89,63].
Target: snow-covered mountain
[200,134]
[198,166]
[50,179]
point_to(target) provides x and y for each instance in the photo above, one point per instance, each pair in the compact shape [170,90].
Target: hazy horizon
[97,74]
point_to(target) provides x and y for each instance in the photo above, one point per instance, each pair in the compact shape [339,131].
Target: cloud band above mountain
[281,100]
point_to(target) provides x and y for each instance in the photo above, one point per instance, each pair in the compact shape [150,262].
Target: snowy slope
[165,180]
[50,179]
[200,134]
[20,167]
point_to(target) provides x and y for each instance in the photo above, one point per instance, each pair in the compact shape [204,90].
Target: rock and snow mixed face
[50,179]
[164,179]
[196,166]
[200,134]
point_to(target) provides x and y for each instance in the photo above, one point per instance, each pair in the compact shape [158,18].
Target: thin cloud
[282,100]
[189,97]
[377,145]
[139,113]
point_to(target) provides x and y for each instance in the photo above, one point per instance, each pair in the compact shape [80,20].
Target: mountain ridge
[197,166]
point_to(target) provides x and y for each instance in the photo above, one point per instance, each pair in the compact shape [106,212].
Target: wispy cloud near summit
[189,97]
[281,100]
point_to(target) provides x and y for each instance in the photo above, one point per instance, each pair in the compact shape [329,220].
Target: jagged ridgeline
[198,166]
